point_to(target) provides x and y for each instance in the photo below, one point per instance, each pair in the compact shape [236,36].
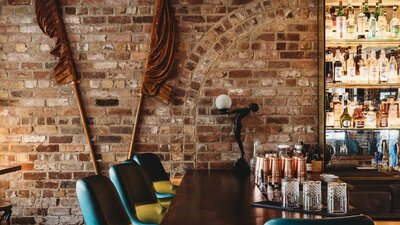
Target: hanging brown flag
[159,61]
[50,21]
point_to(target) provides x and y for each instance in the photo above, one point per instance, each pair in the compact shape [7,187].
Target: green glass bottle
[345,118]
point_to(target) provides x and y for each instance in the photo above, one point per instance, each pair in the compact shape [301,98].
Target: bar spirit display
[361,81]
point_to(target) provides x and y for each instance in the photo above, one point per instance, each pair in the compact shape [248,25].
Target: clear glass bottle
[338,67]
[361,24]
[383,67]
[256,148]
[340,22]
[370,120]
[372,27]
[328,22]
[351,25]
[393,69]
[394,24]
[382,25]
[351,68]
[345,118]
[373,69]
[364,68]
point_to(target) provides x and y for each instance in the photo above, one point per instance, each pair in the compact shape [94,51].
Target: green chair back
[348,220]
[155,171]
[99,202]
[137,193]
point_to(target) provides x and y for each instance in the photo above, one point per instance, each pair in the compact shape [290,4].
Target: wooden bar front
[219,197]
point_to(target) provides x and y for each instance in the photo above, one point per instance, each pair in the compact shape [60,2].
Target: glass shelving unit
[358,146]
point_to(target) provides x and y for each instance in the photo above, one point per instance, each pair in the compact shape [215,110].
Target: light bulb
[223,102]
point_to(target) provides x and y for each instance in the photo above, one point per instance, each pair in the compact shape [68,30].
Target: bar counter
[219,197]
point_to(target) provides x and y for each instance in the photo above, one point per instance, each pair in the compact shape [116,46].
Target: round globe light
[223,102]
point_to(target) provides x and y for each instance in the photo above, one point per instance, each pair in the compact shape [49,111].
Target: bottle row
[361,66]
[343,23]
[343,113]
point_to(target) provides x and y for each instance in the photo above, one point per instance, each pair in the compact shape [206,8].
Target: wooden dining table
[221,198]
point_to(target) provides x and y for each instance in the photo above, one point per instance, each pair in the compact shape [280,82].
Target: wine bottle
[328,22]
[345,118]
[361,24]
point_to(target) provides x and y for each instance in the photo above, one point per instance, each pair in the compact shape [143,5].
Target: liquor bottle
[345,118]
[378,9]
[337,67]
[382,25]
[385,157]
[361,24]
[383,116]
[373,69]
[364,68]
[351,23]
[392,115]
[394,24]
[397,57]
[383,67]
[358,118]
[357,58]
[370,120]
[372,26]
[328,22]
[337,109]
[340,22]
[349,8]
[351,68]
[366,9]
[393,67]
[330,117]
[329,67]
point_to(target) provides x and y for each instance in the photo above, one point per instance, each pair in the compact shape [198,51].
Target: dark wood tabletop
[219,197]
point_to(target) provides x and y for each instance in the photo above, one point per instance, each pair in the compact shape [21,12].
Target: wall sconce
[223,104]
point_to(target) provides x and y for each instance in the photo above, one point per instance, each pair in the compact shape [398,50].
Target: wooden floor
[218,197]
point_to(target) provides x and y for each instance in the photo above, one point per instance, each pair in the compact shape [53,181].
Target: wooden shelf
[388,42]
[363,86]
[357,3]
[366,129]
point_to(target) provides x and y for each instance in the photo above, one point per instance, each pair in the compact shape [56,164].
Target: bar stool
[6,208]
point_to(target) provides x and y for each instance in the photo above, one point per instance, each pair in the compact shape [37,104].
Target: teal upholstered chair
[155,171]
[348,220]
[137,193]
[99,202]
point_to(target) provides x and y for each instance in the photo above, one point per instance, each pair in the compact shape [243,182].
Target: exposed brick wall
[255,51]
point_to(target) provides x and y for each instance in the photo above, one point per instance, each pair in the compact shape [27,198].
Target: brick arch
[211,46]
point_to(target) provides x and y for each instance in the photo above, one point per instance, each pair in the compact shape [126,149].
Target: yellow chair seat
[164,187]
[150,213]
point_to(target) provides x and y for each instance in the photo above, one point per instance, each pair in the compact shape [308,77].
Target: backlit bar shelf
[357,3]
[387,42]
[365,128]
[364,86]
